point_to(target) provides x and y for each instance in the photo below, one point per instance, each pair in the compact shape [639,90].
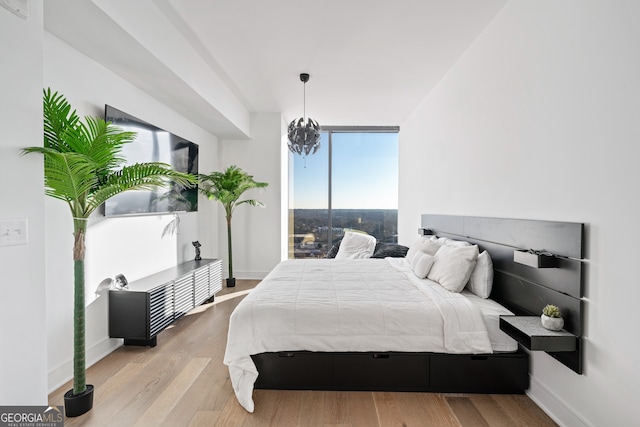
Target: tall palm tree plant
[227,187]
[83,167]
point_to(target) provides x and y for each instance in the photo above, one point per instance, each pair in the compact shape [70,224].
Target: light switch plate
[13,232]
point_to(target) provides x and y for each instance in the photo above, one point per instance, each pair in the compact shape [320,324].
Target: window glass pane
[364,190]
[308,203]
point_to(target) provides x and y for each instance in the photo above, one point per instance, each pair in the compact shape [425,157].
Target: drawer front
[382,371]
[294,371]
[343,371]
[497,373]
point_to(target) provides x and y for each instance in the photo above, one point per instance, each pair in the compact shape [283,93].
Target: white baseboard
[554,406]
[62,373]
[250,275]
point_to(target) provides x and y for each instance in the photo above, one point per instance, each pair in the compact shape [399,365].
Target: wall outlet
[13,232]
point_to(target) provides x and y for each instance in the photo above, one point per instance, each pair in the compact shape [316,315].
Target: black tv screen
[153,144]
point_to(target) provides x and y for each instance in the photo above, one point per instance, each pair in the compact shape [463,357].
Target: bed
[371,324]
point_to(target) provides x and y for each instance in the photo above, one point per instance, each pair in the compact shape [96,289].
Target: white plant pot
[552,323]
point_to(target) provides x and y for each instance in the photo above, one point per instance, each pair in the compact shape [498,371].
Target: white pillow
[450,242]
[481,280]
[427,245]
[452,266]
[421,264]
[356,245]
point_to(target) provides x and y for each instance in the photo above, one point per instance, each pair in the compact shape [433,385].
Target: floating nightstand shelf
[534,259]
[529,332]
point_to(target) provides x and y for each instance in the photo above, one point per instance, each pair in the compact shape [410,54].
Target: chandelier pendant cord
[304,115]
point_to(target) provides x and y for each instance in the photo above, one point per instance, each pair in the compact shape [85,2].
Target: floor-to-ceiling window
[350,183]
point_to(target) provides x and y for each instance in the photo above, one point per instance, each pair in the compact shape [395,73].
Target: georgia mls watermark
[31,416]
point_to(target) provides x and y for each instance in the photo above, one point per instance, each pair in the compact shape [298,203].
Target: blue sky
[365,173]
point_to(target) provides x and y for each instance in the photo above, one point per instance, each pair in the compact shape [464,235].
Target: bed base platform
[394,371]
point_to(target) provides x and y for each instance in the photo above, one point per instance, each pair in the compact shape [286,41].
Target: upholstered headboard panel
[523,289]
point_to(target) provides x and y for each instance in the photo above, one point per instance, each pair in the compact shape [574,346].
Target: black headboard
[521,288]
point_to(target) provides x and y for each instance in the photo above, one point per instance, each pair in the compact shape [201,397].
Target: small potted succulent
[552,318]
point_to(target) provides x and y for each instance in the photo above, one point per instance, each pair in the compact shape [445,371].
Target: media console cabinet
[154,302]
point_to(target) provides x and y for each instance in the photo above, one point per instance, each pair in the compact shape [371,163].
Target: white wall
[539,120]
[23,339]
[133,246]
[255,231]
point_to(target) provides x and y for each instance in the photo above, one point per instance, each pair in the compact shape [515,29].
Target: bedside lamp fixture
[304,133]
[535,259]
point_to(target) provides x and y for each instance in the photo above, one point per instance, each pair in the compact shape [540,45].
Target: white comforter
[347,305]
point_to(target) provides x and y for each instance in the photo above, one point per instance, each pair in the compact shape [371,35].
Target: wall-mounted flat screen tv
[153,144]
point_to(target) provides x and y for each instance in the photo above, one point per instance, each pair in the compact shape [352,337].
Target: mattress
[491,312]
[353,306]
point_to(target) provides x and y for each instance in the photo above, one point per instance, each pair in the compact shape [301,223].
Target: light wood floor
[183,382]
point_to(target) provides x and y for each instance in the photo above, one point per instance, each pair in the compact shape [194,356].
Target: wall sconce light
[20,8]
[535,259]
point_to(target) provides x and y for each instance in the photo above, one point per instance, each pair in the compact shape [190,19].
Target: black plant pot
[231,282]
[76,405]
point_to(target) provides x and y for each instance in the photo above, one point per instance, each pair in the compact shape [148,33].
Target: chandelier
[304,133]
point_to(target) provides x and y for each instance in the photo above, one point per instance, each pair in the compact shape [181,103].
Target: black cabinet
[154,302]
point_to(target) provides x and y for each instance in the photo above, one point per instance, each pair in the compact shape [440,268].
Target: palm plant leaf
[251,202]
[103,143]
[67,176]
[74,140]
[99,140]
[59,119]
[140,176]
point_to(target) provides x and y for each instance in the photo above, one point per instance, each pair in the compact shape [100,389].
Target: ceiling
[215,62]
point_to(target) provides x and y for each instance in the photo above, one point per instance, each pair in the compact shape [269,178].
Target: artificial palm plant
[227,187]
[83,167]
